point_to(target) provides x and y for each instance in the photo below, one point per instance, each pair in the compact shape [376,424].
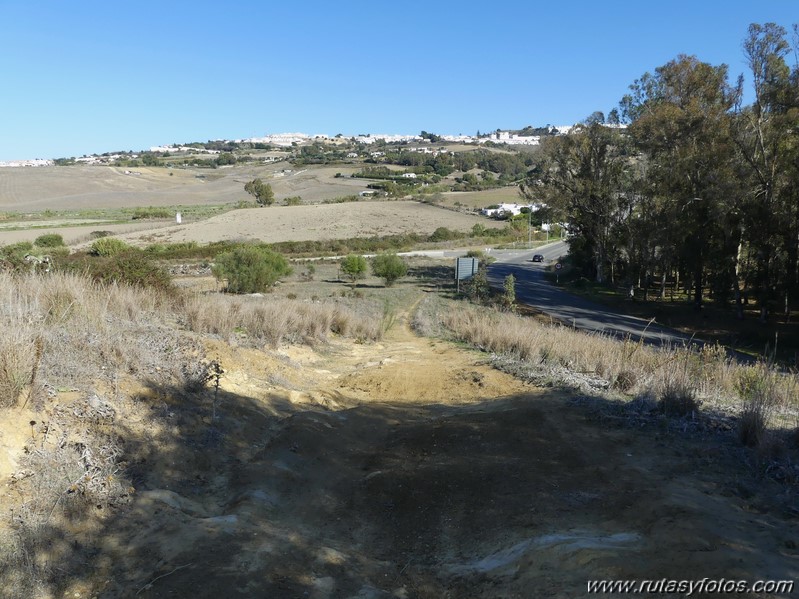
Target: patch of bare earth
[316,222]
[410,468]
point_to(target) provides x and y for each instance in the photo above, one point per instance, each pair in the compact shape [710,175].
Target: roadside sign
[558,266]
[465,268]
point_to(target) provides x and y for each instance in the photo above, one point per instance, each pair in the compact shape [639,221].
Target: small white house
[409,175]
[502,209]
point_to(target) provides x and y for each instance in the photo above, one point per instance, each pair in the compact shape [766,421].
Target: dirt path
[410,468]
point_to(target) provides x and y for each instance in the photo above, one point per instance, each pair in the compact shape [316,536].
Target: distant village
[287,140]
[19,163]
[500,137]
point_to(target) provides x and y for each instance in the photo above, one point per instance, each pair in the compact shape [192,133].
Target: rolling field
[83,195]
[314,222]
[26,190]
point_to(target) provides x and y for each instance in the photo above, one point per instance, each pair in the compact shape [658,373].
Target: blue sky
[89,77]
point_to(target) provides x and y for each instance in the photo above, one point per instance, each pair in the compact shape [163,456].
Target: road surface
[534,290]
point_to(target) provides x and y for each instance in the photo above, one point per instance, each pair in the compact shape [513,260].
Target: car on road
[537,258]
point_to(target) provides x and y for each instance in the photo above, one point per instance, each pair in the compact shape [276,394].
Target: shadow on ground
[529,495]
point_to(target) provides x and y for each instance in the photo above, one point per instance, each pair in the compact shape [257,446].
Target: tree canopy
[262,192]
[683,183]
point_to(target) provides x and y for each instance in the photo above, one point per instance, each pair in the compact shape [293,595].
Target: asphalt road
[534,290]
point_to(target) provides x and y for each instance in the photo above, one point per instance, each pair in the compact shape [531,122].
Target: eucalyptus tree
[580,175]
[680,123]
[766,134]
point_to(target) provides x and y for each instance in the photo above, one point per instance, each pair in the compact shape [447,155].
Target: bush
[389,267]
[757,388]
[293,201]
[678,398]
[262,192]
[108,246]
[21,248]
[354,267]
[100,234]
[49,240]
[444,234]
[477,288]
[509,294]
[131,267]
[151,212]
[13,256]
[250,268]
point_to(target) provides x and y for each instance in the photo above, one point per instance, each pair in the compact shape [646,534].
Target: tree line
[699,190]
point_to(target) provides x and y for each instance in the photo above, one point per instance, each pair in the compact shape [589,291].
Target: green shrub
[389,267]
[293,201]
[151,212]
[244,204]
[131,267]
[59,251]
[99,234]
[13,256]
[481,256]
[183,249]
[49,240]
[509,294]
[108,246]
[136,269]
[250,268]
[23,247]
[444,234]
[354,267]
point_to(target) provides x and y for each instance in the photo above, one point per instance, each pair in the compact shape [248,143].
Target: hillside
[368,462]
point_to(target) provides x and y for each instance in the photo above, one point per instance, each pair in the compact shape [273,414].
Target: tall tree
[581,175]
[262,192]
[681,122]
[765,133]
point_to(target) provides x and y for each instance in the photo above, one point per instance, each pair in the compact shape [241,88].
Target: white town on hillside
[290,139]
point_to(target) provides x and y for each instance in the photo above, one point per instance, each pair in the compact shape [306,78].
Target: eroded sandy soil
[410,468]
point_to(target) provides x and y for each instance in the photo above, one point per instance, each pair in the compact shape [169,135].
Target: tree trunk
[698,286]
[600,267]
[739,306]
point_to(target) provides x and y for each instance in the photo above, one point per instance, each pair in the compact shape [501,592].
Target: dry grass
[71,469]
[680,379]
[63,330]
[277,321]
[72,331]
[763,395]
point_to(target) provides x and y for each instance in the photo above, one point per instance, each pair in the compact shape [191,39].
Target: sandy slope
[410,468]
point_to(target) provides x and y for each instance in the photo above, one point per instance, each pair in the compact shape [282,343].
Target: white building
[511,209]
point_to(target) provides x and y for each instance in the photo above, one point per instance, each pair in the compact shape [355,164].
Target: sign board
[558,266]
[465,268]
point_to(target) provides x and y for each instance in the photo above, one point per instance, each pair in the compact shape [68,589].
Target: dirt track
[412,469]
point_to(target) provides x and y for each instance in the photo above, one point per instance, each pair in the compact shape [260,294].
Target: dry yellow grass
[629,367]
[277,321]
